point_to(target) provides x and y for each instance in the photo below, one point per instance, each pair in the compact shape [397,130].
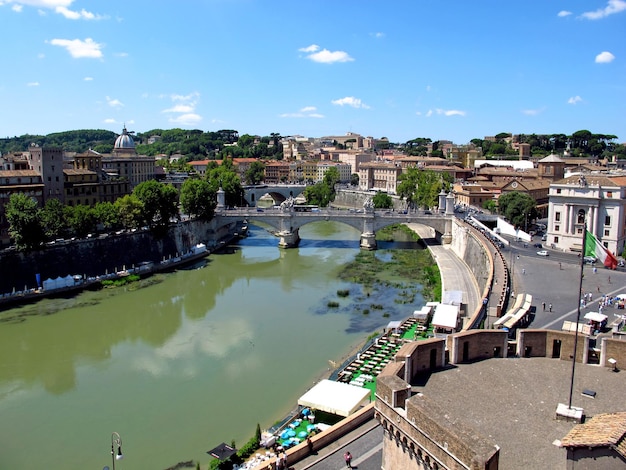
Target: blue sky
[453,69]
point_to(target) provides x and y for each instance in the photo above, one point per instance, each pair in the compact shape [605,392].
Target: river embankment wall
[96,256]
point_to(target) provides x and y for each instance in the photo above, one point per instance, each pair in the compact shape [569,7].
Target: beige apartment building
[379,176]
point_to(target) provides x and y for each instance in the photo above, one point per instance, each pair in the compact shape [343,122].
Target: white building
[596,200]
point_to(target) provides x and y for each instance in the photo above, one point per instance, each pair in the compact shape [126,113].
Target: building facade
[597,201]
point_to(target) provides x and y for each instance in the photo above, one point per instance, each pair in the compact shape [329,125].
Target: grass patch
[343,292]
[332,304]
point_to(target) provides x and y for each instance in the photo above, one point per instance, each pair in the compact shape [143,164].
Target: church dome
[124,141]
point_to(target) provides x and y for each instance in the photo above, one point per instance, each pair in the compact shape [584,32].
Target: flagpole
[580,291]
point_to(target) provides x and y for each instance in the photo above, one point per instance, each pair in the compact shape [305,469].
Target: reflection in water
[192,359]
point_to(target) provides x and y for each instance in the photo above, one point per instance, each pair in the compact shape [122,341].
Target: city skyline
[401,70]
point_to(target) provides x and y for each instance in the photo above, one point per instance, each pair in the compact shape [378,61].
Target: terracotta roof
[594,180]
[78,171]
[8,173]
[603,430]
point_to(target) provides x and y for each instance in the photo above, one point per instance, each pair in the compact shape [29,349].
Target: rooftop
[513,402]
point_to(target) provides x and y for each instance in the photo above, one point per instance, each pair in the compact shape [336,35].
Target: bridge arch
[279,193]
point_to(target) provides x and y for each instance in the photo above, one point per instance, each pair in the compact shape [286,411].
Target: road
[555,280]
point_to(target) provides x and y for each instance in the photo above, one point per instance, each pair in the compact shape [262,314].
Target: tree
[382,201]
[159,203]
[198,198]
[490,205]
[107,215]
[422,187]
[130,211]
[331,178]
[354,179]
[81,219]
[53,219]
[255,173]
[224,176]
[518,208]
[22,213]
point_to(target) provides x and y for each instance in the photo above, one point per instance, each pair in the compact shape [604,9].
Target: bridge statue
[368,205]
[287,204]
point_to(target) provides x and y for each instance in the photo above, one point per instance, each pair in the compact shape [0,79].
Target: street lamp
[116,449]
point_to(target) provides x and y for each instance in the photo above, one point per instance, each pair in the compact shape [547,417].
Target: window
[607,220]
[558,191]
[609,194]
[607,233]
[557,217]
[557,228]
[556,239]
[581,217]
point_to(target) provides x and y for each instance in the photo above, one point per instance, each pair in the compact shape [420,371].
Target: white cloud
[306,112]
[17,8]
[41,55]
[189,97]
[533,112]
[311,48]
[574,100]
[32,84]
[88,79]
[110,121]
[114,103]
[563,13]
[604,57]
[189,119]
[184,106]
[179,108]
[428,88]
[612,7]
[350,101]
[121,54]
[80,49]
[450,112]
[429,113]
[377,35]
[327,57]
[77,15]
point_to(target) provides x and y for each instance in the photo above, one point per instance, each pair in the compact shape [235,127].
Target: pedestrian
[309,444]
[543,304]
[560,268]
[550,308]
[348,458]
[609,279]
[595,270]
[598,288]
[523,271]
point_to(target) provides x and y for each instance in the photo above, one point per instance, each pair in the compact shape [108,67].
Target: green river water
[187,361]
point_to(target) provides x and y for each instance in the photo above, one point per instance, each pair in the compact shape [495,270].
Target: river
[189,360]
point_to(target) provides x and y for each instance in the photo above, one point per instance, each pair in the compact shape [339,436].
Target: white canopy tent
[595,316]
[335,397]
[446,316]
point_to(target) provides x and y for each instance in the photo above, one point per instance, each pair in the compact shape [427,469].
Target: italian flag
[593,247]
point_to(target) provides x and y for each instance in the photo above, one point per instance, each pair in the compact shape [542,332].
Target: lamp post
[116,448]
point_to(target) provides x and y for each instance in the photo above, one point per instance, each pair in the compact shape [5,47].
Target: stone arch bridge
[288,223]
[279,192]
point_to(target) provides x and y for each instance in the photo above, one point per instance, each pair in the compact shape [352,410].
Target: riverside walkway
[455,273]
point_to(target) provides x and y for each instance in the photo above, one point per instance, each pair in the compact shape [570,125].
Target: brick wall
[476,345]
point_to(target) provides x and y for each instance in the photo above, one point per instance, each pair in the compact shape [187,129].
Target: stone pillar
[288,239]
[450,204]
[368,241]
[442,201]
[446,239]
[221,199]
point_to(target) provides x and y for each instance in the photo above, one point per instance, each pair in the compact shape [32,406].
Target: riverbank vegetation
[372,268]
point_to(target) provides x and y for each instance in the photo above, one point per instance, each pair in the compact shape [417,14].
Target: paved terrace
[513,402]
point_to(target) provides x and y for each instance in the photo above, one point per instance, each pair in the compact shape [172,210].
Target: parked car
[590,260]
[544,237]
[538,245]
[542,253]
